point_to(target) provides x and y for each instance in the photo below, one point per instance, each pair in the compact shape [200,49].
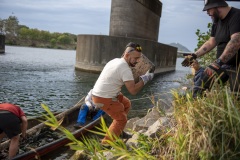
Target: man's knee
[122,119]
[126,102]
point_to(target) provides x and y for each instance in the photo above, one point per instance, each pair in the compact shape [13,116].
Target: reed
[208,127]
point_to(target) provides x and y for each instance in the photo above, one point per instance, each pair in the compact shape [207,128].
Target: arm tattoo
[202,51]
[231,48]
[205,49]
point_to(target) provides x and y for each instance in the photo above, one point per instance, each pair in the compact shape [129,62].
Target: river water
[31,76]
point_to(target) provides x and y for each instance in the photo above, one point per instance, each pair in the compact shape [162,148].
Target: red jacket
[12,108]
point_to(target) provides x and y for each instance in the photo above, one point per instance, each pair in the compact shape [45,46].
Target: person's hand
[23,139]
[215,68]
[147,77]
[212,69]
[189,60]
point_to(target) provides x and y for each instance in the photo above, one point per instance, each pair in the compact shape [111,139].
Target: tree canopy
[17,34]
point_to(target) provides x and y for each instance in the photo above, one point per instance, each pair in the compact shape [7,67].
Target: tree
[202,38]
[45,36]
[64,39]
[24,33]
[2,26]
[53,42]
[11,26]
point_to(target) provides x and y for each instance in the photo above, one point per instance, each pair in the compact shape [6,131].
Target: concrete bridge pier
[94,51]
[2,44]
[131,21]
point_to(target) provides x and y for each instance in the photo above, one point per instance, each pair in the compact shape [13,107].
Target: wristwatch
[219,62]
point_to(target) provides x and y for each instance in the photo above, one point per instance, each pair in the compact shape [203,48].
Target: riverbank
[46,45]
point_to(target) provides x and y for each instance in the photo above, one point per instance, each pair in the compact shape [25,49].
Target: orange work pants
[117,109]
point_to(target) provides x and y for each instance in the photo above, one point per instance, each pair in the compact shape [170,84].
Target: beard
[132,64]
[215,16]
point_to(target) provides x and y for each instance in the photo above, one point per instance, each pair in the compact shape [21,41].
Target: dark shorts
[10,124]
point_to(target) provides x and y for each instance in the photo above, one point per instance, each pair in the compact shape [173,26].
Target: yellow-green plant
[208,127]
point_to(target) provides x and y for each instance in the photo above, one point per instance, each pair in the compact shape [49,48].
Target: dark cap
[213,4]
[135,46]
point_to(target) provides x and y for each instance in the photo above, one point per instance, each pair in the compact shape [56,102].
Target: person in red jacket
[13,121]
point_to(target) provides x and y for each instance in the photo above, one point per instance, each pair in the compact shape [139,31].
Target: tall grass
[208,127]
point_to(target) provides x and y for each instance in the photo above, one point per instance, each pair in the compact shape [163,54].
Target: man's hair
[134,46]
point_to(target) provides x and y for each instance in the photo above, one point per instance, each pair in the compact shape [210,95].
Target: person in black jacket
[197,79]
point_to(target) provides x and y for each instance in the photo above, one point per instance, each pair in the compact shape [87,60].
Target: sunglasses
[138,48]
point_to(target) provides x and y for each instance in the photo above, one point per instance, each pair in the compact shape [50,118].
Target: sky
[178,24]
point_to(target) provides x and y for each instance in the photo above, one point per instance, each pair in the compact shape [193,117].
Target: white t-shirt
[112,78]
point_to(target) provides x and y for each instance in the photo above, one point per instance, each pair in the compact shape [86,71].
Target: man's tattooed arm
[206,47]
[231,48]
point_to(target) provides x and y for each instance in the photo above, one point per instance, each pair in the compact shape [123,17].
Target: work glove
[147,77]
[88,100]
[212,69]
[189,60]
[216,69]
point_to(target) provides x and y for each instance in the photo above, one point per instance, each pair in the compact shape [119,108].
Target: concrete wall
[135,18]
[94,51]
[2,44]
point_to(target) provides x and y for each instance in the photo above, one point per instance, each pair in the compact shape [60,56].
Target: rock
[108,155]
[133,141]
[129,125]
[161,124]
[146,121]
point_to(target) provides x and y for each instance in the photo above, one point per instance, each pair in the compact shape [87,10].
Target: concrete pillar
[135,18]
[2,44]
[94,51]
[131,21]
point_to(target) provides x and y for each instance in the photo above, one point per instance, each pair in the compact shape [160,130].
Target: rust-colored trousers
[117,109]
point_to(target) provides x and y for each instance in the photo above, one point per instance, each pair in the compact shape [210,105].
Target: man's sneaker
[78,125]
[124,135]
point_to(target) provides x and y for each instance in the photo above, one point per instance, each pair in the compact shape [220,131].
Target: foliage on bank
[22,35]
[202,38]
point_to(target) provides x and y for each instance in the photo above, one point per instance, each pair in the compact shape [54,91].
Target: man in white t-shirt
[107,94]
